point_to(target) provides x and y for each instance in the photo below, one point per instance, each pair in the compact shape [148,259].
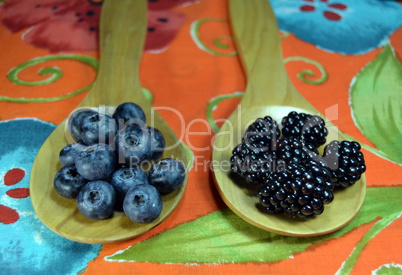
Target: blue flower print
[27,246]
[342,26]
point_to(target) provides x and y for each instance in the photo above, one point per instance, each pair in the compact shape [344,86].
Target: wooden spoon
[122,35]
[270,92]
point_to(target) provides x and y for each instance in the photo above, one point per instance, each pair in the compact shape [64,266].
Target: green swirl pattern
[53,74]
[302,75]
[219,41]
[213,103]
[148,95]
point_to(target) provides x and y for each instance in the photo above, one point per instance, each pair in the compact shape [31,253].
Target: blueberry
[96,200]
[142,204]
[75,121]
[128,111]
[158,142]
[96,162]
[68,182]
[98,128]
[70,152]
[133,144]
[167,175]
[125,178]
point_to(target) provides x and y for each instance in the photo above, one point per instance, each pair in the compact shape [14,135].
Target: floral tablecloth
[343,56]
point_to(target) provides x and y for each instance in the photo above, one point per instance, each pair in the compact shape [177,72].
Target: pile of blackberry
[293,178]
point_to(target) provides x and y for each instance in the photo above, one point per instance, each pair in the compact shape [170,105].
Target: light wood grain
[270,92]
[122,34]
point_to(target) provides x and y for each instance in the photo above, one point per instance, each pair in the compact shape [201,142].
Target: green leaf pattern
[376,103]
[223,237]
[390,269]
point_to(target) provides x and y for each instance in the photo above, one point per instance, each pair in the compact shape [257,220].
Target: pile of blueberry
[104,169]
[292,177]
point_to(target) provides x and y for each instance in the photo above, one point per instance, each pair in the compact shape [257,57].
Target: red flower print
[12,177]
[162,28]
[168,4]
[72,25]
[331,11]
[57,25]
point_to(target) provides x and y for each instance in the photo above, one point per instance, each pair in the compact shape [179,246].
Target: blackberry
[252,163]
[294,150]
[309,128]
[263,133]
[345,161]
[301,190]
[253,159]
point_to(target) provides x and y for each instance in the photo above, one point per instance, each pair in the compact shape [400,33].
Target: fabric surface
[343,57]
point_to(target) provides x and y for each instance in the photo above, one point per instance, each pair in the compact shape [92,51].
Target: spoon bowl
[122,35]
[269,92]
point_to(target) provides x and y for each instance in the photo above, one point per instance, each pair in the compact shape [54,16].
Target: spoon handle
[121,42]
[258,43]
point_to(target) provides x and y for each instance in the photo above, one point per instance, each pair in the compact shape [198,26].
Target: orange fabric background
[187,85]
